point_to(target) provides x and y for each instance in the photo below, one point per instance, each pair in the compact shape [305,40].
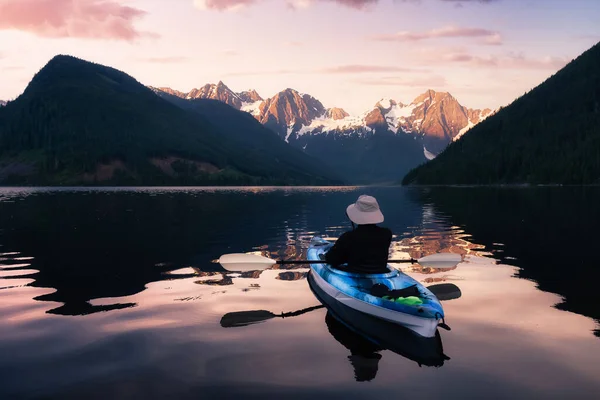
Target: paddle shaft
[413,261]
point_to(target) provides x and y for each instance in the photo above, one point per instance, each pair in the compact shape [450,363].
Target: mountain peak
[554,126]
[336,113]
[432,96]
[250,96]
[220,92]
[387,104]
[288,108]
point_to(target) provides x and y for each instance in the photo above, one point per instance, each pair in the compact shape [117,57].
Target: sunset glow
[345,53]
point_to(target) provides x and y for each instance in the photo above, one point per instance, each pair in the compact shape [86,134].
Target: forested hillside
[83,123]
[550,135]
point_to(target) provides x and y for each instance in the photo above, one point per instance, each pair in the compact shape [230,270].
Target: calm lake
[112,293]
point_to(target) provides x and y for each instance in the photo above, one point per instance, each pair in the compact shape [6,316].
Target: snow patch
[251,107]
[428,155]
[385,103]
[325,124]
[463,130]
[396,114]
[290,130]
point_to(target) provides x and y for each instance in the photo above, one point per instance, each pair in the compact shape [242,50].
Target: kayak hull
[427,351]
[353,290]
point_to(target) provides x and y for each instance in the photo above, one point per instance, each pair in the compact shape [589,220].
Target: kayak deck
[354,290]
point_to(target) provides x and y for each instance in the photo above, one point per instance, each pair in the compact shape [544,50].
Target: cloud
[265,72]
[91,19]
[509,60]
[471,1]
[340,69]
[223,5]
[12,67]
[165,60]
[423,81]
[359,69]
[229,52]
[235,5]
[293,43]
[489,37]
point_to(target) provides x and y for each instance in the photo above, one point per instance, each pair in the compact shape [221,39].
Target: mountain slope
[245,129]
[549,135]
[289,110]
[79,122]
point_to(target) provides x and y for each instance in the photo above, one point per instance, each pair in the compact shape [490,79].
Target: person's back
[364,249]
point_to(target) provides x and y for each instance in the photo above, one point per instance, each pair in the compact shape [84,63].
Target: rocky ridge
[435,117]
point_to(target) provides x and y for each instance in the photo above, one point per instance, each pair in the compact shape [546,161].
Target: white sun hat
[365,211]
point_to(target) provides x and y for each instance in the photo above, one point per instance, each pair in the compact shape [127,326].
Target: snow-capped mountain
[435,117]
[248,100]
[2,103]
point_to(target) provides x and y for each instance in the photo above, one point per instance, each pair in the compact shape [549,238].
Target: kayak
[360,332]
[421,314]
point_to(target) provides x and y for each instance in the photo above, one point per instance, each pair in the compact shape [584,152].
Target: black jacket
[365,250]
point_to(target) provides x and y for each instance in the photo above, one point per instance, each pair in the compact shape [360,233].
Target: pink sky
[347,53]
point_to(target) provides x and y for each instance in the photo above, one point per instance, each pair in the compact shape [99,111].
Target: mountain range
[83,123]
[550,135]
[435,117]
[378,146]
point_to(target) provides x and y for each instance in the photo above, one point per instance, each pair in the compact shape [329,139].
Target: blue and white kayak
[353,290]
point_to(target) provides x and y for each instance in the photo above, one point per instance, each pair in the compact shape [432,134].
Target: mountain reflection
[548,232]
[91,244]
[83,244]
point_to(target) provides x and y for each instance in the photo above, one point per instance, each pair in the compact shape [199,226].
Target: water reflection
[548,233]
[137,264]
[364,336]
[111,242]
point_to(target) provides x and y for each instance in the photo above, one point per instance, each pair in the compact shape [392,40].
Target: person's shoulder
[345,235]
[386,230]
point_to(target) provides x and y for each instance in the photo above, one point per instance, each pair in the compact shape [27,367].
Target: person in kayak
[365,248]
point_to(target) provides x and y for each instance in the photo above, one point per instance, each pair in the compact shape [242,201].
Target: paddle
[243,318]
[444,291]
[240,262]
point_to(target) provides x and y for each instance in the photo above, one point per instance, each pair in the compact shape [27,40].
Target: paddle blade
[445,291]
[241,262]
[243,318]
[440,260]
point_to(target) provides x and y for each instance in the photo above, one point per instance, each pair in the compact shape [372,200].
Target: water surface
[112,293]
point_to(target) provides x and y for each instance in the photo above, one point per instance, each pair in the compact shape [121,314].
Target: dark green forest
[75,115]
[550,135]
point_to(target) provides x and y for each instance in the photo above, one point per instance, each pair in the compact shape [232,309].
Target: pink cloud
[490,37]
[507,61]
[358,69]
[234,5]
[223,4]
[294,43]
[423,81]
[340,69]
[92,19]
[165,60]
